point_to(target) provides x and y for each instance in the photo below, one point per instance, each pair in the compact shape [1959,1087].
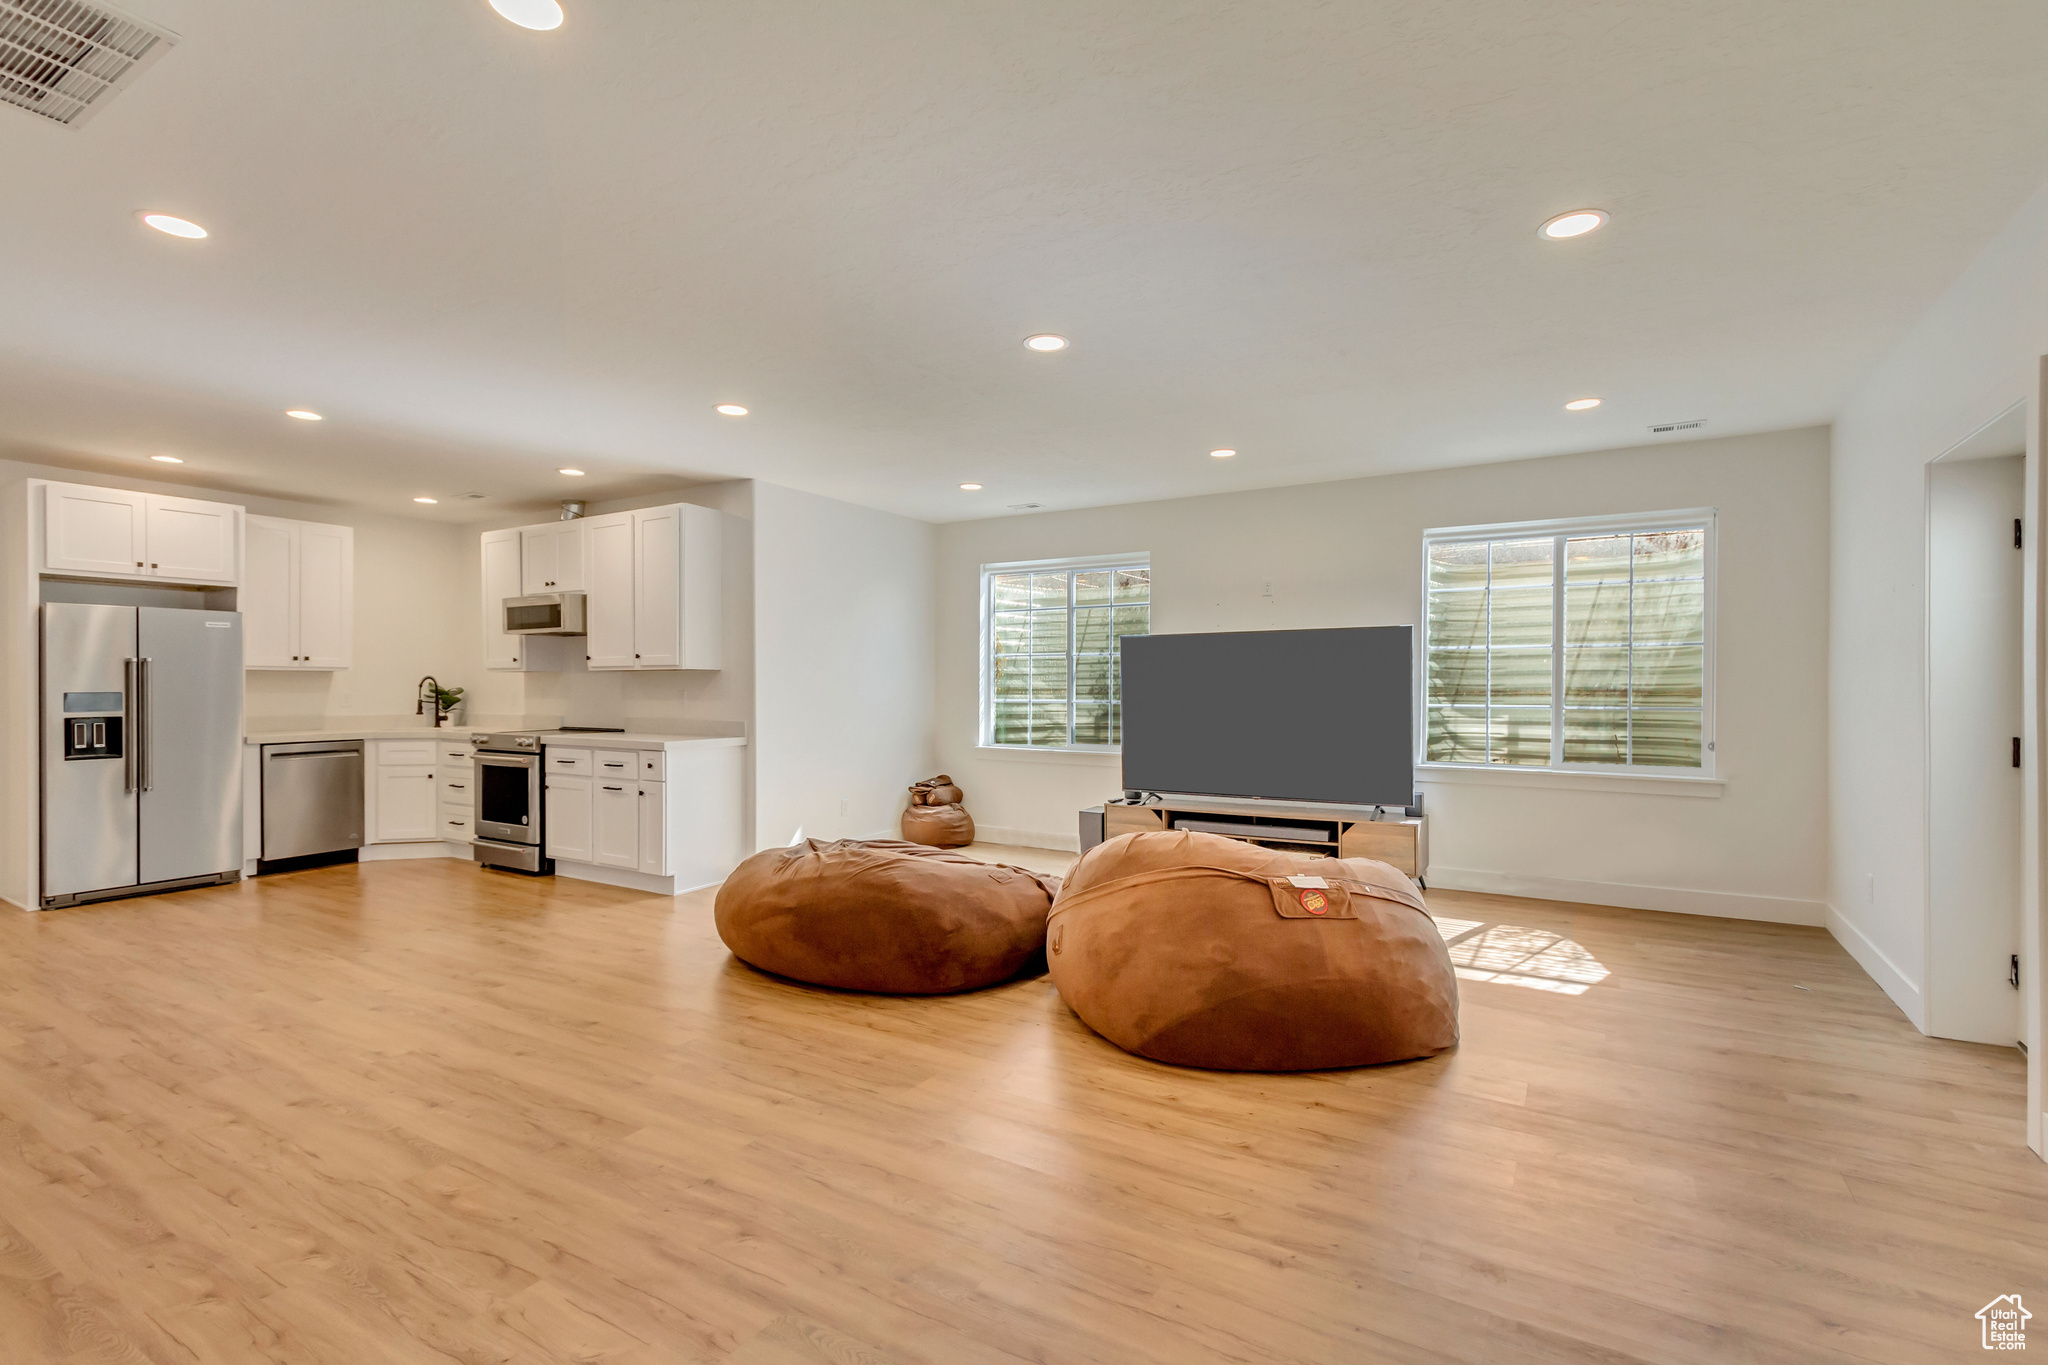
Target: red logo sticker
[1315,902]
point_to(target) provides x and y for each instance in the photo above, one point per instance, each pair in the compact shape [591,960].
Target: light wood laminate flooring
[414,1112]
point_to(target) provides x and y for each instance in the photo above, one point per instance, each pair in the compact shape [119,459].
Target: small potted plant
[448,701]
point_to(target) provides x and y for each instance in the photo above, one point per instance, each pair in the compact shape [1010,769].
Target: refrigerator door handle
[131,776]
[145,780]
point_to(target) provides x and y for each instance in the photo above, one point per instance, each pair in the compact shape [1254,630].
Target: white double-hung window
[1572,644]
[1050,671]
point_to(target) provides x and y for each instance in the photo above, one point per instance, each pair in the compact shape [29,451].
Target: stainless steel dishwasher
[312,801]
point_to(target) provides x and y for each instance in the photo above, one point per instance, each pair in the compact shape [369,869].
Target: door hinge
[2015,751]
[2016,538]
[2014,976]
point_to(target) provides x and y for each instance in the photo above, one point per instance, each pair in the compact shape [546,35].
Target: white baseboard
[617,876]
[1871,958]
[388,853]
[1027,838]
[1669,899]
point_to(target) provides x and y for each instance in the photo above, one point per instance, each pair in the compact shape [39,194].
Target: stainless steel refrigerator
[142,750]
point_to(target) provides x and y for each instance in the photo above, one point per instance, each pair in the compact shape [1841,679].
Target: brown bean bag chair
[1212,952]
[877,915]
[938,826]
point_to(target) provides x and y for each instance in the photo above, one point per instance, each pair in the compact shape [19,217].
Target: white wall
[844,665]
[1975,353]
[1350,553]
[1974,714]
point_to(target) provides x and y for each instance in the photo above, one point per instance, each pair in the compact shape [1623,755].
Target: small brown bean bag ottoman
[878,915]
[947,826]
[1211,952]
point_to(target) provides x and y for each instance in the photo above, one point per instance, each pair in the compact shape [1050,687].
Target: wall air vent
[63,59]
[1025,506]
[1663,427]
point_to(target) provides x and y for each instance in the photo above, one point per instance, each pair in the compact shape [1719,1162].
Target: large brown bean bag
[1207,951]
[938,826]
[878,915]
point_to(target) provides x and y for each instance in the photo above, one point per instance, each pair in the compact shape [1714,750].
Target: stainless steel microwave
[548,613]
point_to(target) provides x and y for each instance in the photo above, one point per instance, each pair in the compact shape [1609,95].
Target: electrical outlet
[845,806]
[1873,888]
[1268,591]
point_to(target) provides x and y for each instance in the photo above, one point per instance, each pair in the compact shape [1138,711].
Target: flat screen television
[1289,715]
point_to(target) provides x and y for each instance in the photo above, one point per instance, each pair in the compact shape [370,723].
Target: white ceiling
[1305,230]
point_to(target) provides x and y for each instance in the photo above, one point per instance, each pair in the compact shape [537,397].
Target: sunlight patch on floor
[1512,955]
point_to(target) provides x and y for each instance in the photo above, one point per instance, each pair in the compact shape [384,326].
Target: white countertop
[627,740]
[639,740]
[318,736]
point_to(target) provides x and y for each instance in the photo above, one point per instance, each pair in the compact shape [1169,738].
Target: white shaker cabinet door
[616,833]
[98,531]
[193,541]
[609,623]
[325,595]
[654,829]
[269,600]
[408,805]
[569,818]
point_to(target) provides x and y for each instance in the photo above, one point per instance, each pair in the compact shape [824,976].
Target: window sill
[1085,757]
[1641,784]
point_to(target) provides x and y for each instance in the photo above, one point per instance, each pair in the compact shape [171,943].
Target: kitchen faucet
[428,693]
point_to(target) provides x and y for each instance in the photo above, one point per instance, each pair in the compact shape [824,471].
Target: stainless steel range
[510,798]
[509,805]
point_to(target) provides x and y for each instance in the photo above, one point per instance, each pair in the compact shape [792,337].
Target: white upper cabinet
[298,605]
[609,606]
[552,558]
[193,541]
[677,573]
[113,533]
[94,530]
[653,582]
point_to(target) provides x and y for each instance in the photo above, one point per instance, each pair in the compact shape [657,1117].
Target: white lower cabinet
[405,804]
[654,829]
[455,773]
[615,838]
[569,818]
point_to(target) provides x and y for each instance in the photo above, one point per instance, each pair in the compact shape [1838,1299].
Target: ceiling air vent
[1663,427]
[1025,506]
[62,59]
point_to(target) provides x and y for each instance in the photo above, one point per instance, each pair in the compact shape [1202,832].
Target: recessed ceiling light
[426,500]
[535,14]
[970,488]
[732,410]
[1221,454]
[166,459]
[176,227]
[304,414]
[1581,404]
[1577,223]
[572,473]
[1046,341]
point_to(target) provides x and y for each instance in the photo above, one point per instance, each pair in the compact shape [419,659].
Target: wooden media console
[1296,827]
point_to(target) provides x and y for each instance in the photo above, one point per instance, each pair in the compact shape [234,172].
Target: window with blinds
[1572,644]
[1051,677]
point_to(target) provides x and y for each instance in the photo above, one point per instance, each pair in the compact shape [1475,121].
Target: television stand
[1310,827]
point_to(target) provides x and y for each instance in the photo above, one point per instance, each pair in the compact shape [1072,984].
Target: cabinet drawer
[575,762]
[410,753]
[616,763]
[456,828]
[458,789]
[455,753]
[654,765]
